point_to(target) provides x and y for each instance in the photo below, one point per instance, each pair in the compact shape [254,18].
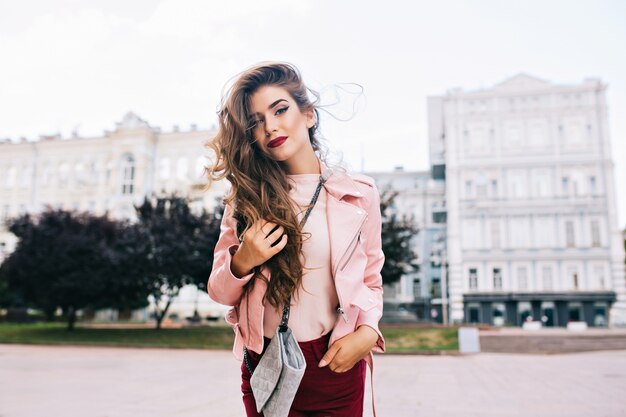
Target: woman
[268,149]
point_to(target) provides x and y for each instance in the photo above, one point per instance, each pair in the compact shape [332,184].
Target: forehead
[265,96]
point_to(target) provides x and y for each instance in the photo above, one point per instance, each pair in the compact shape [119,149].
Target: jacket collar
[338,183]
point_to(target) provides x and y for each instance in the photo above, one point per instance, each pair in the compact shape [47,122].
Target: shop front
[552,309]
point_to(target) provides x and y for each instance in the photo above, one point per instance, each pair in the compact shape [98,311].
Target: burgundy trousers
[322,392]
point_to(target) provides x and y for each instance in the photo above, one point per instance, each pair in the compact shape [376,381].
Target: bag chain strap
[285,316]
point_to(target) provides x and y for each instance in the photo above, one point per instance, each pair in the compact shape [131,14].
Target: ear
[310,118]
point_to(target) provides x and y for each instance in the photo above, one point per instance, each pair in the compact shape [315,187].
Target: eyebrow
[272,105]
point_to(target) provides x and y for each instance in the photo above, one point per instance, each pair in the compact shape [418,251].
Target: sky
[70,65]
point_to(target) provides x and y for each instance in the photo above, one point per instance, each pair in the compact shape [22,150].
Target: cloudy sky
[81,65]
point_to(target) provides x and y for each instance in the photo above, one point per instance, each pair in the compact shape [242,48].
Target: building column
[536,310]
[511,312]
[561,313]
[486,312]
[588,312]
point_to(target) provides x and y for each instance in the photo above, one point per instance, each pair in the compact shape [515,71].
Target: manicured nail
[322,363]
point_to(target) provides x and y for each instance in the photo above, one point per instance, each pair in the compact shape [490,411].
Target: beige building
[107,173]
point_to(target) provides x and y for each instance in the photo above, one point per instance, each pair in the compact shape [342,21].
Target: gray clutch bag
[277,376]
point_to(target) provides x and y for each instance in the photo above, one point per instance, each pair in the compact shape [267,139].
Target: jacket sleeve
[375,260]
[223,286]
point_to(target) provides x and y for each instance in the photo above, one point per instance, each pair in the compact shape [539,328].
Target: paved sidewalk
[118,382]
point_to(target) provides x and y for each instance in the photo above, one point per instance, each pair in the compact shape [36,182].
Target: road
[120,382]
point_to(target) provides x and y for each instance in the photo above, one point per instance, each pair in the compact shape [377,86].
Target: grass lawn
[398,339]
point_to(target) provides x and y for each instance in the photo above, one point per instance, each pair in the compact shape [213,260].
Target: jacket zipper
[343,314]
[340,309]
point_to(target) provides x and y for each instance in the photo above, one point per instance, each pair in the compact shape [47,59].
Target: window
[572,278]
[495,234]
[9,180]
[64,174]
[598,277]
[494,188]
[473,313]
[497,278]
[565,186]
[25,177]
[569,234]
[182,167]
[512,134]
[45,175]
[109,169]
[548,313]
[541,182]
[595,233]
[600,314]
[128,174]
[93,173]
[592,185]
[468,188]
[524,311]
[546,277]
[498,312]
[473,279]
[79,173]
[481,190]
[544,231]
[522,278]
[164,168]
[575,312]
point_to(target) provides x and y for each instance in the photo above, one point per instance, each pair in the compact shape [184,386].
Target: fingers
[329,355]
[267,227]
[271,234]
[275,236]
[264,240]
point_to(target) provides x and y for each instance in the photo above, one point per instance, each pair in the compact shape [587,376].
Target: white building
[108,173]
[422,197]
[531,208]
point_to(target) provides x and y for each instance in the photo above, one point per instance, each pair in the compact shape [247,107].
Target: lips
[277,142]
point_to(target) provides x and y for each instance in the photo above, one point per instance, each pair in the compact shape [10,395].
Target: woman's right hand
[260,243]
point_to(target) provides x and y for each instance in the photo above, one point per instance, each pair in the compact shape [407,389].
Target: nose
[270,126]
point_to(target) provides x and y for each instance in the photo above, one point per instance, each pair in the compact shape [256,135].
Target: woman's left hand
[347,351]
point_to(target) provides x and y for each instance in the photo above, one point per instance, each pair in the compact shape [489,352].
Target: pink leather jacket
[354,226]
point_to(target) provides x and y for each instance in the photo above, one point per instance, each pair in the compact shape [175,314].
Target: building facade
[108,173]
[532,227]
[102,174]
[420,197]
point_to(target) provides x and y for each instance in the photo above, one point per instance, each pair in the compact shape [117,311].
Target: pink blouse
[313,307]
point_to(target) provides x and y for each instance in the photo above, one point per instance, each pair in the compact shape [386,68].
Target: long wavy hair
[259,186]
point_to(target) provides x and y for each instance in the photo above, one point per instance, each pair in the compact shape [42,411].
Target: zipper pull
[343,314]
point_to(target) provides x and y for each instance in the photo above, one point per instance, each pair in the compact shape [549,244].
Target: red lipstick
[277,142]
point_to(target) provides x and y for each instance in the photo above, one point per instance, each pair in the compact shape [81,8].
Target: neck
[303,163]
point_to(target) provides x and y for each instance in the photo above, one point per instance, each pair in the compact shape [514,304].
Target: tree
[397,233]
[123,291]
[63,259]
[174,248]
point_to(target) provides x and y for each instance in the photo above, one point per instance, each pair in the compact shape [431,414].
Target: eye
[282,110]
[254,123]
